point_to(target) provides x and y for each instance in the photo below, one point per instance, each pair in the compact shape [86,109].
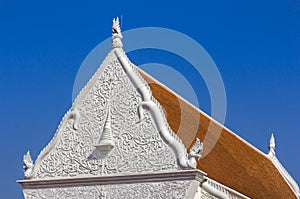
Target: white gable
[115,142]
[137,148]
[115,126]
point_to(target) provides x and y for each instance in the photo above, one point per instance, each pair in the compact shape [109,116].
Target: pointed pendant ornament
[106,142]
[106,137]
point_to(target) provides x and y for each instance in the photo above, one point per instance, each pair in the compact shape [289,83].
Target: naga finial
[27,165]
[116,34]
[195,152]
[272,146]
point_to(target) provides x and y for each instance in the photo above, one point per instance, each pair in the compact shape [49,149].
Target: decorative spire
[116,34]
[106,143]
[272,146]
[106,137]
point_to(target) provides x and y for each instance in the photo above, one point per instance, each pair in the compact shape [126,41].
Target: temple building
[120,140]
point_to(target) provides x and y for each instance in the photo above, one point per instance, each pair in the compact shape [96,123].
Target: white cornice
[212,187]
[113,179]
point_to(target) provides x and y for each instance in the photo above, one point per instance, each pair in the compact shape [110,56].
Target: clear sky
[255,44]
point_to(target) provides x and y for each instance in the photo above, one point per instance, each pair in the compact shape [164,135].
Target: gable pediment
[137,145]
[115,127]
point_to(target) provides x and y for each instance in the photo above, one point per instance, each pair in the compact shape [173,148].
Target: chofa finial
[116,34]
[272,146]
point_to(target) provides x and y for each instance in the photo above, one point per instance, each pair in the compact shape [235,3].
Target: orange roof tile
[232,162]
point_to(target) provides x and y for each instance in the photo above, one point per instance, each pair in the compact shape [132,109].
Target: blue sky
[255,45]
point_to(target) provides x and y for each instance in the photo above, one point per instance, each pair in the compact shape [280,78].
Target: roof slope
[232,162]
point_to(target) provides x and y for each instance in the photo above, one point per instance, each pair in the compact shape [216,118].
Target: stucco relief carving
[138,146]
[163,190]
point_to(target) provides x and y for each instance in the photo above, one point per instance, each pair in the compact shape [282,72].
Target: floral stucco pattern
[138,145]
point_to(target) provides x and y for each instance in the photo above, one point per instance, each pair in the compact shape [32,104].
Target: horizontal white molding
[135,178]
